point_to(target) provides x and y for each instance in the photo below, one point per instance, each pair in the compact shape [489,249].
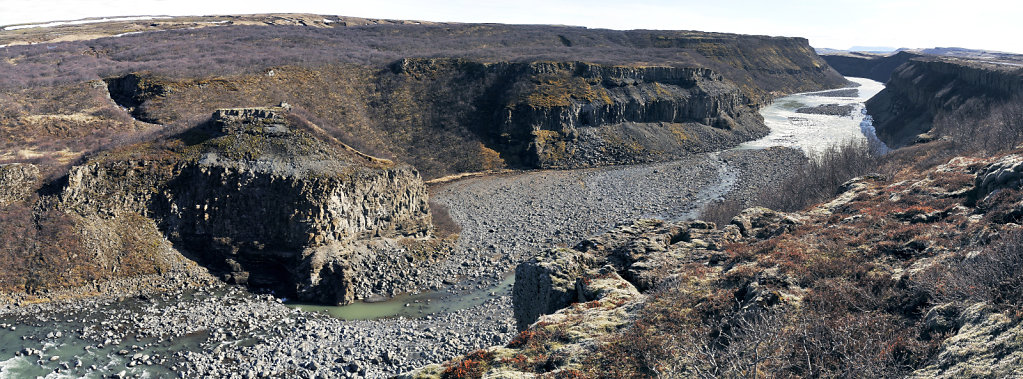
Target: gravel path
[228,332]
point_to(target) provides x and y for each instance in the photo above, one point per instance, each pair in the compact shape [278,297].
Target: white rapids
[813,132]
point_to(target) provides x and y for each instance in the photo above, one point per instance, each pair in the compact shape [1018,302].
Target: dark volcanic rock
[17,181]
[259,198]
[925,87]
[639,252]
[581,115]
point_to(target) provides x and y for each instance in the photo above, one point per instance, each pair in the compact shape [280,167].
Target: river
[505,219]
[811,133]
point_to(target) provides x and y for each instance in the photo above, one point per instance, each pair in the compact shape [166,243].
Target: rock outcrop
[567,301]
[548,282]
[259,198]
[923,88]
[641,253]
[17,182]
[1005,173]
[570,333]
[578,115]
[987,344]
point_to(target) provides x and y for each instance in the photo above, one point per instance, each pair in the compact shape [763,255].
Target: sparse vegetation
[869,287]
[472,366]
[41,252]
[443,224]
[48,250]
[817,181]
[982,128]
[821,179]
[200,52]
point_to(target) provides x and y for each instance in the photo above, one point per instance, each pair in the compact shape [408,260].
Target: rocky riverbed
[225,331]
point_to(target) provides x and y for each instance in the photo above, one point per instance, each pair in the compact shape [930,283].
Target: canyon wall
[451,115]
[924,88]
[258,199]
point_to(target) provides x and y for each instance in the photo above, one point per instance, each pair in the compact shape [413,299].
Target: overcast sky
[981,24]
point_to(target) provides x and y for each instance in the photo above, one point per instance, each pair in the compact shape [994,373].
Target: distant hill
[880,66]
[960,52]
[873,49]
[874,66]
[859,49]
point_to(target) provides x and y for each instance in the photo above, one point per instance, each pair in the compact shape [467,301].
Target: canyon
[541,185]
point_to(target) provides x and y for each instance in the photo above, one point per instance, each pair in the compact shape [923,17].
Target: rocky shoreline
[504,219]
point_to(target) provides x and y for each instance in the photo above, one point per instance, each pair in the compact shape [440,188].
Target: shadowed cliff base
[256,197]
[972,103]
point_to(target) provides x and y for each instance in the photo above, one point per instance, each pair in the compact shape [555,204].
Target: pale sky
[979,24]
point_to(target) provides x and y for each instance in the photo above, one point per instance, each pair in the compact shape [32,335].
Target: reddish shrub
[473,365]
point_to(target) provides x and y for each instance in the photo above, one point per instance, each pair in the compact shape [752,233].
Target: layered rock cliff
[535,115]
[578,115]
[259,198]
[924,88]
[452,115]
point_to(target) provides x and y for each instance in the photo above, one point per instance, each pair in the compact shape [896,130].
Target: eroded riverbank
[504,219]
[228,332]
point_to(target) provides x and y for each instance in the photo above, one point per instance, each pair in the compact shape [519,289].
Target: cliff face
[452,115]
[259,199]
[764,67]
[926,87]
[479,116]
[871,66]
[581,115]
[486,115]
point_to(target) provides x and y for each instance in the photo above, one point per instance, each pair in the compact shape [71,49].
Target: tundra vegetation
[904,270]
[910,269]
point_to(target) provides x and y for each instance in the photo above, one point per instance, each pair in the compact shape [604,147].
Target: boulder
[763,223]
[1007,172]
[988,344]
[547,283]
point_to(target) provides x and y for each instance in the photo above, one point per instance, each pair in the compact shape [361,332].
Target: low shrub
[991,274]
[823,176]
[474,365]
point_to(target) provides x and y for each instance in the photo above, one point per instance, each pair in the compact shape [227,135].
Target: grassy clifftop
[348,74]
[761,62]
